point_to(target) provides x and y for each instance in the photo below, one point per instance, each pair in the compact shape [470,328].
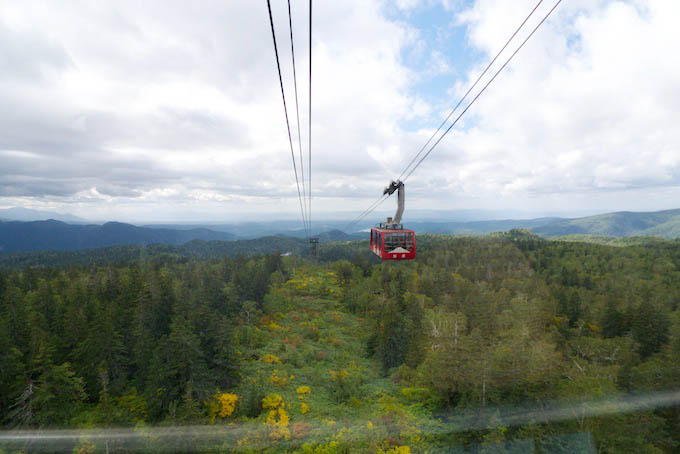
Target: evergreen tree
[650,328]
[614,322]
[57,393]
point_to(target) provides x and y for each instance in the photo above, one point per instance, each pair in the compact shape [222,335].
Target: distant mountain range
[335,230]
[53,235]
[478,227]
[623,223]
[16,236]
[665,224]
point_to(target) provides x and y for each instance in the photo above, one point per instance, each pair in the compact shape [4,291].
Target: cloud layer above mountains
[163,110]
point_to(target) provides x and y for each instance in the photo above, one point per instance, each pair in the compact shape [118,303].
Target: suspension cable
[470,89]
[366,212]
[383,198]
[309,166]
[285,109]
[483,89]
[297,111]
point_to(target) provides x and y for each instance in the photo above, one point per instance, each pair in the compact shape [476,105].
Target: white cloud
[590,104]
[134,99]
[148,110]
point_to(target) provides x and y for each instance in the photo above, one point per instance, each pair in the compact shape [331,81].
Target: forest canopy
[472,346]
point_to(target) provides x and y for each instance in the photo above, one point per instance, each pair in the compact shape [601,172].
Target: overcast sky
[171,110]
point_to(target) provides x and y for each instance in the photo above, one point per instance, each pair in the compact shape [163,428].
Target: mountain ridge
[665,223]
[56,235]
[51,234]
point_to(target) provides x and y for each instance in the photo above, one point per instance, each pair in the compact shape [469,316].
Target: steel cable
[285,109]
[471,88]
[483,89]
[375,204]
[297,111]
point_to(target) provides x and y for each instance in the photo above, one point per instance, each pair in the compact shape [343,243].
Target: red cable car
[389,240]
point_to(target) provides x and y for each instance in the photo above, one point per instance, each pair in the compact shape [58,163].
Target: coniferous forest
[503,343]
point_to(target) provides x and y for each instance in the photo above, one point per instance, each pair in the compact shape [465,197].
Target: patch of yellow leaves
[271,359]
[335,375]
[303,391]
[222,405]
[272,401]
[277,418]
[396,450]
[278,378]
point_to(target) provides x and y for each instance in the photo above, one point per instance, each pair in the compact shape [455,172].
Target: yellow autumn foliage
[277,418]
[303,391]
[227,404]
[272,401]
[330,448]
[222,405]
[271,359]
[304,408]
[278,379]
[396,450]
[335,375]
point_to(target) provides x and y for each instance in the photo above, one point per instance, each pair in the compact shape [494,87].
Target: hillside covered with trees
[505,343]
[664,223]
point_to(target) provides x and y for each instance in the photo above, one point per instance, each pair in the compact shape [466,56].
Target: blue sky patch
[440,57]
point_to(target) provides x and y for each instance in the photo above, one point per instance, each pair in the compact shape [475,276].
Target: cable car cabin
[389,240]
[393,244]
